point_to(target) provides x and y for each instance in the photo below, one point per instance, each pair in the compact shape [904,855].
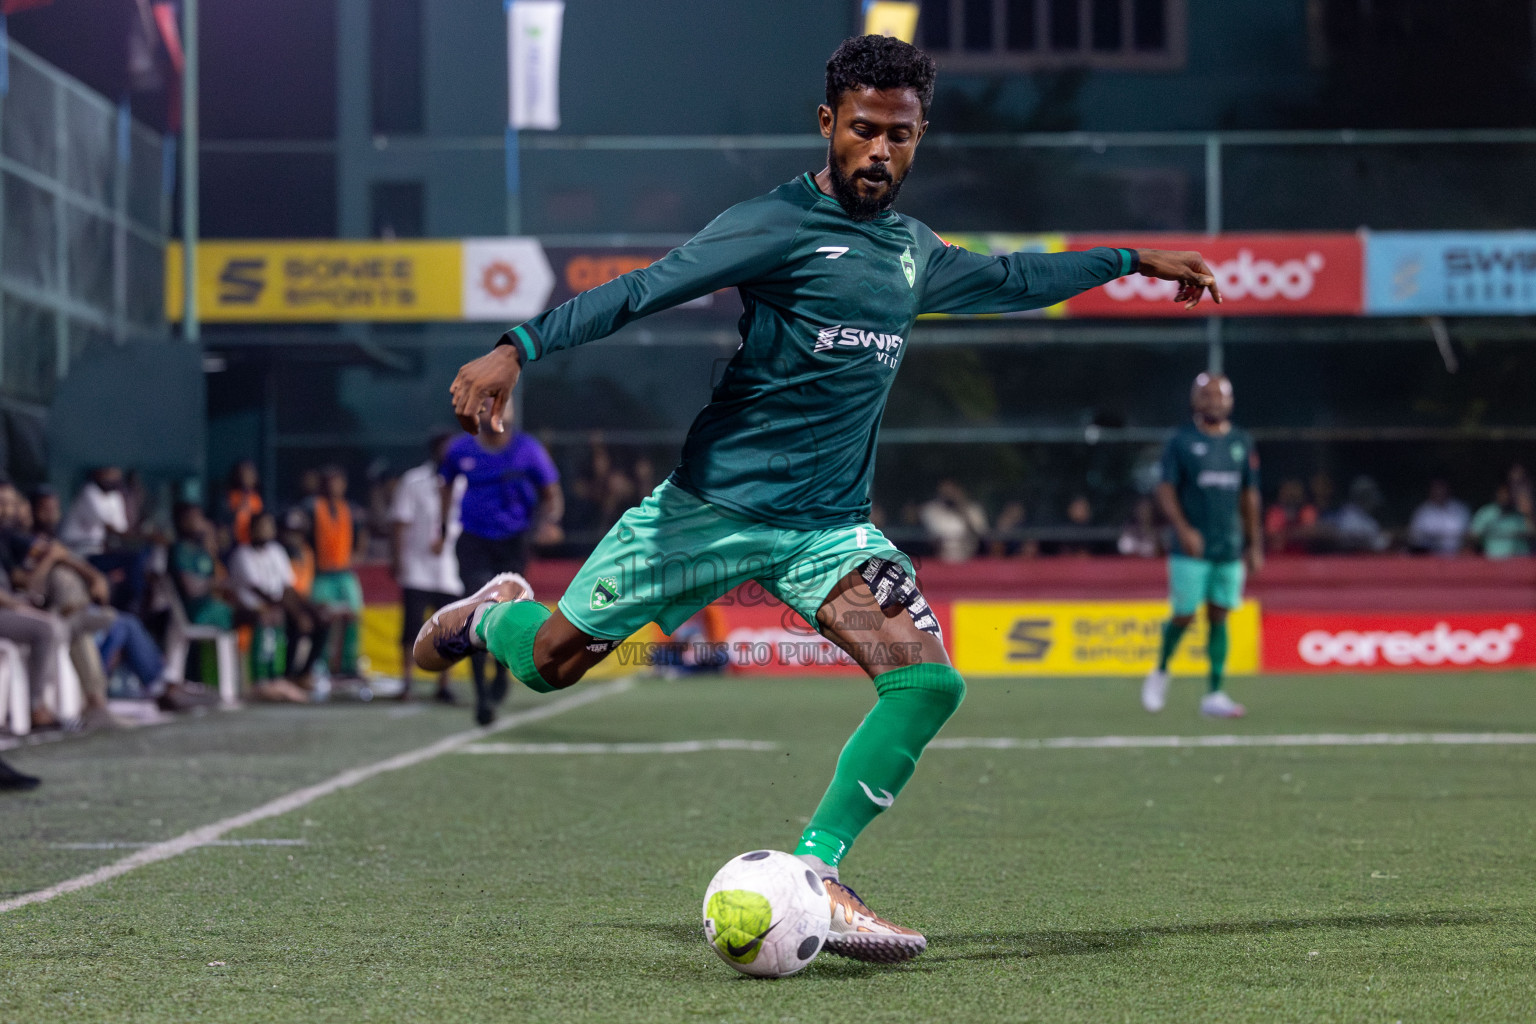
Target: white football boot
[1219,705]
[448,637]
[859,934]
[1154,690]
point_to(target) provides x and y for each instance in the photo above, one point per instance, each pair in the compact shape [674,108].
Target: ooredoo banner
[1259,275]
[1348,642]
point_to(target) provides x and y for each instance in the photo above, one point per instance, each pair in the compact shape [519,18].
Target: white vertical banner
[533,63]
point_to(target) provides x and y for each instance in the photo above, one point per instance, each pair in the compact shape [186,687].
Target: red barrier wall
[1381,584]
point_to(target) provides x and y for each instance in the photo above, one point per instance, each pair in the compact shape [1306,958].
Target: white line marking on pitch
[208,834]
[676,747]
[140,846]
[1322,739]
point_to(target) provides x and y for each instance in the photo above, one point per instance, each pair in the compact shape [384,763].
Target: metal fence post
[189,171]
[1215,356]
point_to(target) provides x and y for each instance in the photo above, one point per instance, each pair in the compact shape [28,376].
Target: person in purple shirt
[511,497]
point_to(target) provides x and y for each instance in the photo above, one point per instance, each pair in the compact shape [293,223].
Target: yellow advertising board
[891,18]
[320,281]
[1088,638]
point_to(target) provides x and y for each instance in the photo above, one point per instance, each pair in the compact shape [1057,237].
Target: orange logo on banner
[584,272]
[499,279]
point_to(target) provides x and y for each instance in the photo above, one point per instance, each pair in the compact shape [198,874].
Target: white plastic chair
[226,646]
[66,696]
[178,644]
[15,693]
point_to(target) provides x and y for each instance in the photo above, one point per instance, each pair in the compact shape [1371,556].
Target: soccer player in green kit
[774,481]
[1210,493]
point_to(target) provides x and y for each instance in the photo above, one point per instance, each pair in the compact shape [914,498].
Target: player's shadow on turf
[1018,945]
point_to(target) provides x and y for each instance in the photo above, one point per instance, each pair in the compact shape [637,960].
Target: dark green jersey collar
[809,180]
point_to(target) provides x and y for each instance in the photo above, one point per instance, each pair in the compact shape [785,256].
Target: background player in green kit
[1210,493]
[774,481]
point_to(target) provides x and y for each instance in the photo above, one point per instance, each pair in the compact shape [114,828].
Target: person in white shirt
[96,527]
[1439,526]
[955,523]
[98,513]
[422,555]
[262,577]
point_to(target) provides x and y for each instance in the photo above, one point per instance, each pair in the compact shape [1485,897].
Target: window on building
[1028,35]
[395,73]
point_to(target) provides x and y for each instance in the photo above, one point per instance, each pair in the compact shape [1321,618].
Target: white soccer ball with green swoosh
[766,914]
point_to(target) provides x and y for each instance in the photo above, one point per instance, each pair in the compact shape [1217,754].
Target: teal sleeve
[1168,468]
[957,280]
[1250,465]
[742,243]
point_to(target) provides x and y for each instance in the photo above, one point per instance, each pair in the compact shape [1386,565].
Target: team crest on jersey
[604,592]
[1237,452]
[909,267]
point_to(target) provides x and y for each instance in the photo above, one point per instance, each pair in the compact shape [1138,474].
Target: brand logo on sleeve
[833,251]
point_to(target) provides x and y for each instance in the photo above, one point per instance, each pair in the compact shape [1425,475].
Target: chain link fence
[82,239]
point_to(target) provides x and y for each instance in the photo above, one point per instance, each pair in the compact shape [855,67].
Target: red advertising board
[1350,642]
[766,637]
[1259,275]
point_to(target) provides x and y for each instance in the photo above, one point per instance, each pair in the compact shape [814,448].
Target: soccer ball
[766,914]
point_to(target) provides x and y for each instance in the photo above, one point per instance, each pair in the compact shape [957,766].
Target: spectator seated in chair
[66,584]
[266,601]
[98,529]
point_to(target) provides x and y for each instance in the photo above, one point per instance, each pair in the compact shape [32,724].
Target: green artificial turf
[1230,884]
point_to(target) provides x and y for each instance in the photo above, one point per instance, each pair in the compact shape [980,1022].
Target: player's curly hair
[879,62]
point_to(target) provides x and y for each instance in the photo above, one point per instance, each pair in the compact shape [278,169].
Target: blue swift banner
[1450,273]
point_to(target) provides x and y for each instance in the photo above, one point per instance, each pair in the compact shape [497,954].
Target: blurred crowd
[1300,517]
[126,592]
[123,594]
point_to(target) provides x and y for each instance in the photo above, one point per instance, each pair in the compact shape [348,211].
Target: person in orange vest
[243,502]
[336,587]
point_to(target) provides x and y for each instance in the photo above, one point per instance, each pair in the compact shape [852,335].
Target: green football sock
[1216,649]
[508,629]
[1173,632]
[880,757]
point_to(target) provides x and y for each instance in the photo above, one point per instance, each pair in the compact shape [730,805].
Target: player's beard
[845,189]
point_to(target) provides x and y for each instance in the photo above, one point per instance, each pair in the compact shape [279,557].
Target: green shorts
[340,588]
[1196,581]
[673,554]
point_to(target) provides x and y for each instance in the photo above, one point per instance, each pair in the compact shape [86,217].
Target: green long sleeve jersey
[1209,473]
[788,437]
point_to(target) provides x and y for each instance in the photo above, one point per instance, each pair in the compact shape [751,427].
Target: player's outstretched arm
[1187,268]
[956,280]
[737,246]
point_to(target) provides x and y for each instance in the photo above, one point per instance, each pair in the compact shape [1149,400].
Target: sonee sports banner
[1087,638]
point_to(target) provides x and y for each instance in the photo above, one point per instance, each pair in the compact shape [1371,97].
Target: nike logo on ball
[884,800]
[741,951]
